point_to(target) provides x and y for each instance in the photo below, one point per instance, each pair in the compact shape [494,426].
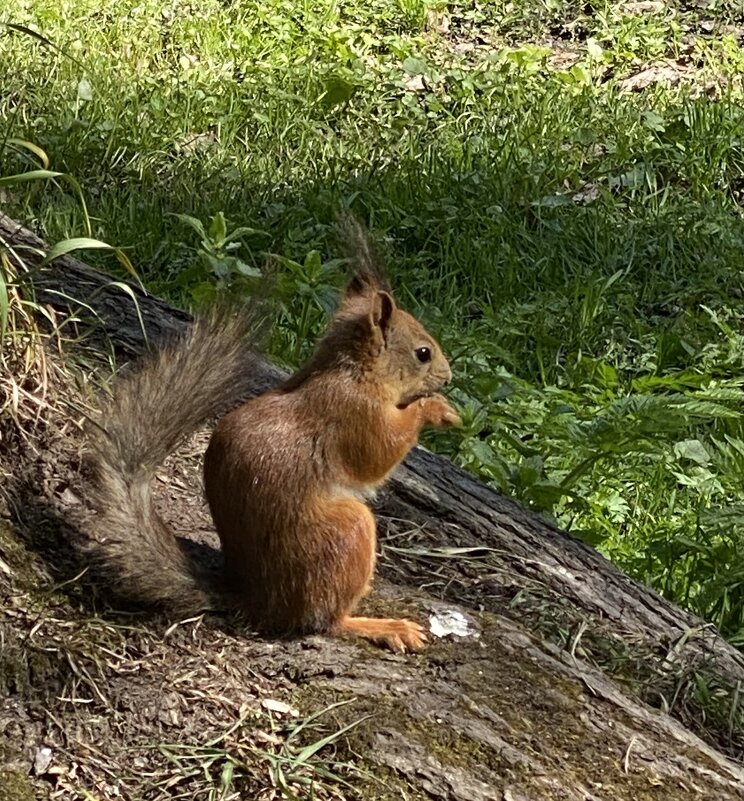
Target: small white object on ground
[451,623]
[42,760]
[279,707]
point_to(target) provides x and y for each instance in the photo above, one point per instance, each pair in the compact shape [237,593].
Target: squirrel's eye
[423,354]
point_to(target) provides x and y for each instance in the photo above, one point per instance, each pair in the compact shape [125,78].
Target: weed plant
[557,186]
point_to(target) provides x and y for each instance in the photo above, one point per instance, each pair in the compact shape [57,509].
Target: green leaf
[482,451]
[242,231]
[84,90]
[580,74]
[226,777]
[30,146]
[545,494]
[336,91]
[85,243]
[606,375]
[414,66]
[530,470]
[653,121]
[313,748]
[129,291]
[246,269]
[192,222]
[76,243]
[218,228]
[218,265]
[551,201]
[692,449]
[28,32]
[31,175]
[312,264]
[632,179]
[594,49]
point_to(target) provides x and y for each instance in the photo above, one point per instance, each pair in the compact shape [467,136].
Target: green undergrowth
[556,187]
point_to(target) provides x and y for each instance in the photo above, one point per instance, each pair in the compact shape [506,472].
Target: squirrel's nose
[448,376]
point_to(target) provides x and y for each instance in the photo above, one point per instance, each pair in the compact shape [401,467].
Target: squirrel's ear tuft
[383,308]
[362,283]
[368,266]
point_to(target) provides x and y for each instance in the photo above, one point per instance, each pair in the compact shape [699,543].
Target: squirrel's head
[389,345]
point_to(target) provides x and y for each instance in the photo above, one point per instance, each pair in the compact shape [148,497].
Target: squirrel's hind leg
[398,635]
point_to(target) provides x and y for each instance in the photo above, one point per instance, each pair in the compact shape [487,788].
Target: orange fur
[286,473]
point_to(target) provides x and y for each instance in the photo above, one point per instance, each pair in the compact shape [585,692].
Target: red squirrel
[286,473]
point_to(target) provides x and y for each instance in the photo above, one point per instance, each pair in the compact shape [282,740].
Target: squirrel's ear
[382,310]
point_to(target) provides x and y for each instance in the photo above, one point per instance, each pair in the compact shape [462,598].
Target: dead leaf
[280,707]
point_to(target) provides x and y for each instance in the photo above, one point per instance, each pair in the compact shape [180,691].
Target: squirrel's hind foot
[397,635]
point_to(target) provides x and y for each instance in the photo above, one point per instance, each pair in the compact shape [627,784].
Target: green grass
[576,244]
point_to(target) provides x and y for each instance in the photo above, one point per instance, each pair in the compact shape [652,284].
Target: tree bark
[521,704]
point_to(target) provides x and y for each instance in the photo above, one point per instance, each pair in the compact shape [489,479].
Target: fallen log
[521,707]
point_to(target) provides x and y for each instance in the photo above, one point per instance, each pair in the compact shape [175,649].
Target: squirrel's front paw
[402,636]
[438,412]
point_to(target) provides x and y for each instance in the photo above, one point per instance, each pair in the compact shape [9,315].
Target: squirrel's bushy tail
[155,406]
